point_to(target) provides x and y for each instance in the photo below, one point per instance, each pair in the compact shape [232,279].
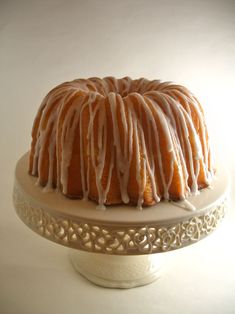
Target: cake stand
[121,246]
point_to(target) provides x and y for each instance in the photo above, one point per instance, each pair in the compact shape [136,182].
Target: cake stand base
[114,271]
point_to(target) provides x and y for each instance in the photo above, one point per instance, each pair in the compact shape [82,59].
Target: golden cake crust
[120,141]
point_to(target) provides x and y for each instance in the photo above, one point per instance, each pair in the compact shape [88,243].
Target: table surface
[44,43]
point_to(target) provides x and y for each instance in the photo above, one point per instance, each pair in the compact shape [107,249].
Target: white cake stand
[116,247]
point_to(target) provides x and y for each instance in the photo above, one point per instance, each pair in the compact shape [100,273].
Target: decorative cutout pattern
[117,240]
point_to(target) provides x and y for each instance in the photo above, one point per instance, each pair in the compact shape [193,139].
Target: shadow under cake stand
[116,247]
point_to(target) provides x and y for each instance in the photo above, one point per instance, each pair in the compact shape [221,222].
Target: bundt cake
[121,141]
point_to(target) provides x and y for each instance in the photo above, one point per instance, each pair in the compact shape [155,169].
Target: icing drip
[123,162]
[158,139]
[184,204]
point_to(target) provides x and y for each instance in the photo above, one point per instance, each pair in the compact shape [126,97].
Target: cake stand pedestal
[121,246]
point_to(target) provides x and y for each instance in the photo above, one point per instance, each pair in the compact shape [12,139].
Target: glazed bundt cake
[121,141]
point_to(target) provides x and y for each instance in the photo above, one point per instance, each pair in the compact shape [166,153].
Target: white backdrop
[43,43]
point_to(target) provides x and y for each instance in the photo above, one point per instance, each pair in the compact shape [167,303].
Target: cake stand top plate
[163,212]
[118,229]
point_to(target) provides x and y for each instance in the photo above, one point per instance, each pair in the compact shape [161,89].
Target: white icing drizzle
[122,160]
[143,114]
[185,204]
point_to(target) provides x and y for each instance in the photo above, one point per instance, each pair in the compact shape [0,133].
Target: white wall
[47,42]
